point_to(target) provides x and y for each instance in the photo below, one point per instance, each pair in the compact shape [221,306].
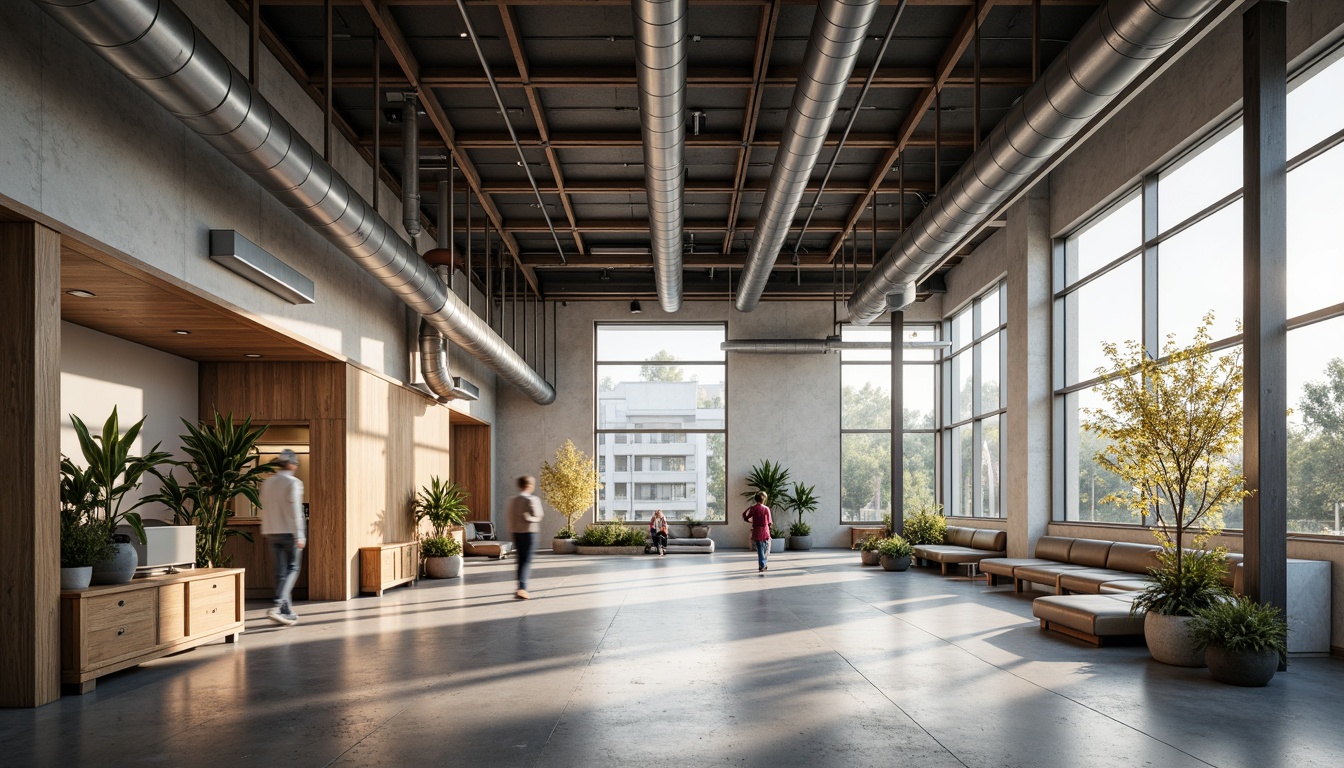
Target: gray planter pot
[699,531]
[1250,669]
[869,558]
[118,569]
[894,563]
[1168,639]
[777,546]
[443,567]
[564,546]
[800,543]
[76,578]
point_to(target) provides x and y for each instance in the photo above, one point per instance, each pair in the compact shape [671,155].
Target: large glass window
[1194,264]
[972,430]
[660,420]
[865,422]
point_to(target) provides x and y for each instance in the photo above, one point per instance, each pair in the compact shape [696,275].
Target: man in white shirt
[283,526]
[523,515]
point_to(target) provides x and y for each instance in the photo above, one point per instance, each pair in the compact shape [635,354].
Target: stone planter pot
[1168,639]
[443,567]
[610,550]
[1250,669]
[76,578]
[118,569]
[563,546]
[699,531]
[800,543]
[870,558]
[894,563]
[777,546]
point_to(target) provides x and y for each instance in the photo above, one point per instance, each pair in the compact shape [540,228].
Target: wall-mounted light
[249,261]
[635,309]
[81,293]
[182,333]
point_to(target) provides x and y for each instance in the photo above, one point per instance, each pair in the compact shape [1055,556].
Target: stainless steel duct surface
[153,43]
[1113,48]
[660,55]
[410,164]
[838,31]
[439,379]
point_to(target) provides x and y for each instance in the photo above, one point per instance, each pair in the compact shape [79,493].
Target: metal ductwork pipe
[410,164]
[817,346]
[439,379]
[838,32]
[153,43]
[660,53]
[1112,49]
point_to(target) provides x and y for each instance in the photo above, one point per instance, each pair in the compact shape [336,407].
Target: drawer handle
[214,586]
[121,631]
[121,603]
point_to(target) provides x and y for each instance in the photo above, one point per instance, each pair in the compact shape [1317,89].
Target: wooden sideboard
[388,565]
[108,628]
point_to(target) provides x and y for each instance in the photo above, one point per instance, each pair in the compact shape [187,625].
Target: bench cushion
[690,546]
[1047,574]
[947,553]
[480,548]
[1132,558]
[1004,566]
[1095,615]
[1121,587]
[959,536]
[1054,548]
[990,540]
[1090,580]
[1090,552]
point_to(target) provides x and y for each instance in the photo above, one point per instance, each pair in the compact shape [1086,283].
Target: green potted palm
[868,554]
[894,553]
[444,506]
[1243,641]
[84,541]
[1171,430]
[801,500]
[772,479]
[115,472]
[569,484]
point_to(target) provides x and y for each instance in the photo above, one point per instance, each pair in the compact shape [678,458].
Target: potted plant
[569,485]
[1171,430]
[222,463]
[868,554]
[444,506]
[696,528]
[926,526]
[801,499]
[84,541]
[1244,642]
[442,555]
[777,539]
[115,472]
[894,553]
[611,539]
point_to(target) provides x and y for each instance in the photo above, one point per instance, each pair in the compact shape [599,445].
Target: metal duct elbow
[838,31]
[660,54]
[154,44]
[410,164]
[1113,48]
[434,367]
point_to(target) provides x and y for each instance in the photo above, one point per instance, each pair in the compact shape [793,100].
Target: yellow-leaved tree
[1172,429]
[569,484]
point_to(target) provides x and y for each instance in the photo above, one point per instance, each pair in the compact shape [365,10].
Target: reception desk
[256,557]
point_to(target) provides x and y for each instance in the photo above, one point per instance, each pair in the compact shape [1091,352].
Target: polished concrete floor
[680,661]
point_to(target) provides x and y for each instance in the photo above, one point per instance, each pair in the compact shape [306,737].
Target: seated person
[658,531]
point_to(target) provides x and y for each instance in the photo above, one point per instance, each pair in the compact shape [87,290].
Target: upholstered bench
[1049,549]
[964,545]
[479,541]
[687,546]
[1093,618]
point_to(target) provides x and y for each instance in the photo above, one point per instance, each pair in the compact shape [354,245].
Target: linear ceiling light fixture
[247,259]
[81,293]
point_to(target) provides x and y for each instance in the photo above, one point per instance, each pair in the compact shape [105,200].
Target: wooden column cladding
[471,466]
[30,358]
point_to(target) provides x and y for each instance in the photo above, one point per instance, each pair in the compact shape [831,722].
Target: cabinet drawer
[212,603]
[136,636]
[116,610]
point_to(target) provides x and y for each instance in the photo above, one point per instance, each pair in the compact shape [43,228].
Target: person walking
[283,526]
[658,531]
[524,515]
[759,516]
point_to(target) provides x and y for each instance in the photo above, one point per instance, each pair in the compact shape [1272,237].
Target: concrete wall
[99,372]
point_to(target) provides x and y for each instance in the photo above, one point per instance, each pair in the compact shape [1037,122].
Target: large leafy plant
[895,546]
[770,477]
[114,471]
[927,526]
[223,464]
[84,541]
[570,483]
[801,499]
[443,504]
[1240,624]
[1186,588]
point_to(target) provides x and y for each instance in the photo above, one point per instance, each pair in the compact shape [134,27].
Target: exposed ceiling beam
[613,140]
[947,64]
[765,37]
[641,226]
[693,187]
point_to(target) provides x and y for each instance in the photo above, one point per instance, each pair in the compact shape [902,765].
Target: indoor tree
[569,484]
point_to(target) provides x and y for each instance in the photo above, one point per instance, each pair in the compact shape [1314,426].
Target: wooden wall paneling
[431,442]
[30,355]
[328,574]
[471,465]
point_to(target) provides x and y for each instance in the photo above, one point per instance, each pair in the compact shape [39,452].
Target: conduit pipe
[154,44]
[817,346]
[660,54]
[410,164]
[838,32]
[1113,48]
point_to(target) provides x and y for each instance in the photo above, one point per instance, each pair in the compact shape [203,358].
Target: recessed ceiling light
[81,293]
[462,34]
[252,354]
[182,333]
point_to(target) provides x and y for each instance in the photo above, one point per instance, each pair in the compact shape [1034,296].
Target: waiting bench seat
[689,546]
[1092,618]
[964,545]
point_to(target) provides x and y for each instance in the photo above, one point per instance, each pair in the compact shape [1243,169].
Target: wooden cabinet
[388,565]
[108,628]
